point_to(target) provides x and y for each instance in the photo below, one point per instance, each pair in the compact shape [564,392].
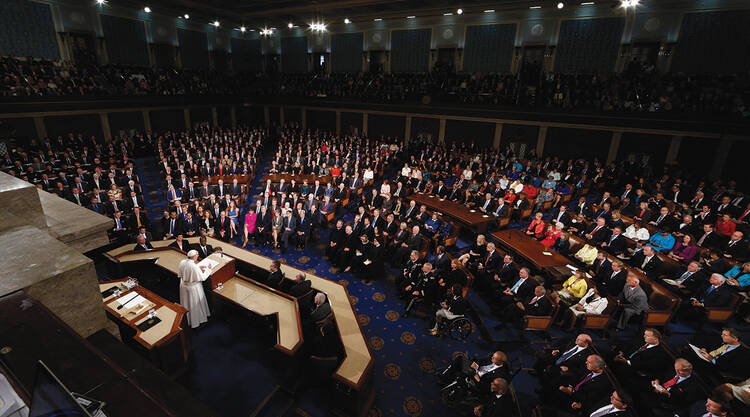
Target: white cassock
[192,296]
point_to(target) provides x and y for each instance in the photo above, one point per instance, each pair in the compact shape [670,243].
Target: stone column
[106,130]
[186,113]
[720,158]
[407,130]
[214,116]
[674,149]
[281,115]
[441,132]
[266,116]
[498,135]
[303,117]
[338,122]
[233,116]
[364,124]
[146,119]
[541,140]
[614,146]
[41,129]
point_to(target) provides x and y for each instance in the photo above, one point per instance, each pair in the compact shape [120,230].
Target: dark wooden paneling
[167,120]
[201,115]
[21,130]
[519,134]
[736,165]
[696,156]
[380,125]
[321,119]
[126,121]
[426,127]
[461,131]
[225,116]
[273,114]
[250,116]
[577,143]
[293,115]
[351,122]
[642,144]
[88,124]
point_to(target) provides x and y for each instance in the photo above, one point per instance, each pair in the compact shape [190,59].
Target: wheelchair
[458,328]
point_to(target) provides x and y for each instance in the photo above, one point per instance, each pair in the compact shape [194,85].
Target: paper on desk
[367,262]
[571,267]
[697,351]
[136,301]
[208,263]
[670,281]
[546,253]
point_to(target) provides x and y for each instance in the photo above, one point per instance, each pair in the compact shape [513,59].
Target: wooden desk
[289,329]
[214,179]
[168,331]
[475,219]
[276,178]
[529,248]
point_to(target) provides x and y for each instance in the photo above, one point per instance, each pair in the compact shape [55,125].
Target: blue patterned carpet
[238,373]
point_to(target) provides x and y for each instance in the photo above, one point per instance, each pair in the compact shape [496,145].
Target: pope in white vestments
[192,296]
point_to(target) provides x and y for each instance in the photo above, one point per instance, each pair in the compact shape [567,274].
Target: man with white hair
[321,309]
[632,299]
[714,293]
[192,296]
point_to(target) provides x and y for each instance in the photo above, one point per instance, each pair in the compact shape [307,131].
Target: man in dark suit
[223,227]
[299,287]
[138,219]
[730,359]
[485,269]
[414,242]
[561,215]
[598,232]
[441,262]
[736,247]
[172,226]
[615,244]
[673,394]
[714,293]
[321,308]
[586,391]
[646,260]
[685,281]
[521,289]
[501,210]
[276,277]
[142,244]
[506,273]
[262,226]
[714,406]
[536,305]
[645,358]
[180,244]
[554,365]
[303,229]
[498,403]
[203,248]
[708,238]
[335,240]
[617,406]
[480,372]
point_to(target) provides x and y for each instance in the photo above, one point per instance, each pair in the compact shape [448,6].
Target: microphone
[131,299]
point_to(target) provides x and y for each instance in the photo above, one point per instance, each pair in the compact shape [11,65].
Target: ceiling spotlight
[215,23]
[266,32]
[629,3]
[100,2]
[243,29]
[411,17]
[187,16]
[448,14]
[290,25]
[377,19]
[490,11]
[560,5]
[587,3]
[147,9]
[347,21]
[460,11]
[535,7]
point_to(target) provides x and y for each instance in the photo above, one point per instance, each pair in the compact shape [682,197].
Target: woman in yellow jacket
[574,288]
[587,254]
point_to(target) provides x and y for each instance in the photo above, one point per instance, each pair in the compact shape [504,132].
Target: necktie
[119,226]
[171,227]
[700,241]
[660,219]
[720,351]
[640,349]
[645,261]
[516,285]
[684,276]
[667,385]
[583,381]
[566,355]
[488,258]
[603,411]
[80,187]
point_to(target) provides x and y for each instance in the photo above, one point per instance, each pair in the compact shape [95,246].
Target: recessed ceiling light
[560,5]
[411,17]
[147,9]
[377,19]
[587,3]
[243,29]
[100,2]
[448,14]
[290,25]
[215,23]
[347,21]
[535,7]
[187,16]
[460,11]
[490,11]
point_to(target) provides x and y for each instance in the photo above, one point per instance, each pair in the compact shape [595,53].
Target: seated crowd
[639,89]
[635,240]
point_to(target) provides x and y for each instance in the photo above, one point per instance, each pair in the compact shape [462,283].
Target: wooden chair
[663,306]
[722,314]
[601,321]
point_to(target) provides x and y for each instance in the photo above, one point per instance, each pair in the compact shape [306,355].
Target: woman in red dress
[536,227]
[552,234]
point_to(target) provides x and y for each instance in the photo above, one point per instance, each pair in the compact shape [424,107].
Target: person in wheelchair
[452,307]
[421,290]
[476,375]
